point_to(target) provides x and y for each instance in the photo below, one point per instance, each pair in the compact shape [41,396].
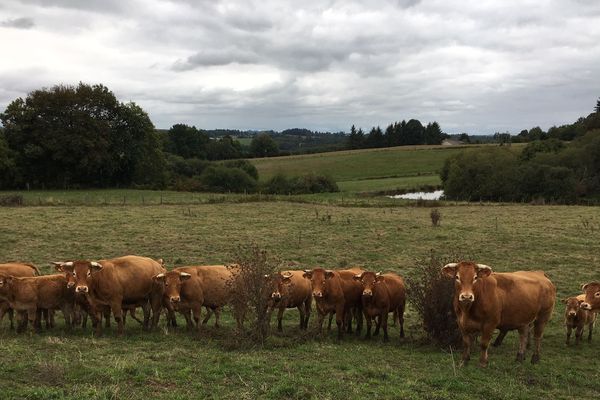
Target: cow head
[79,273]
[573,306]
[5,281]
[369,280]
[592,296]
[318,278]
[466,276]
[172,281]
[279,284]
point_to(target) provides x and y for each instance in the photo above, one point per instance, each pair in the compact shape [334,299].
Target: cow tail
[37,271]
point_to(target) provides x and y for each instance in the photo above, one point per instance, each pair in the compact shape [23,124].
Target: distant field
[357,166]
[403,183]
[562,240]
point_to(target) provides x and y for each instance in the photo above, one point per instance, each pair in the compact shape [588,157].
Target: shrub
[218,178]
[8,200]
[181,167]
[244,165]
[250,290]
[435,216]
[310,183]
[431,294]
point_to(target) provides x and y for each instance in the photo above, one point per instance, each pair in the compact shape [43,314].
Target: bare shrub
[250,290]
[436,217]
[9,200]
[431,294]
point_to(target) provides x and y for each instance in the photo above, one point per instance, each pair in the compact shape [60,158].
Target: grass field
[564,241]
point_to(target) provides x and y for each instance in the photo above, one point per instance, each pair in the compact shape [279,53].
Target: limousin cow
[382,294]
[29,295]
[484,301]
[336,292]
[577,318]
[119,283]
[290,290]
[17,270]
[188,289]
[592,296]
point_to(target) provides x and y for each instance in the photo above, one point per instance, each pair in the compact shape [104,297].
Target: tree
[187,141]
[597,108]
[413,133]
[80,136]
[433,133]
[263,145]
[224,149]
[375,138]
[356,140]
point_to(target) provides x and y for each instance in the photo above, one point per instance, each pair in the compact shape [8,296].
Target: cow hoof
[520,357]
[535,358]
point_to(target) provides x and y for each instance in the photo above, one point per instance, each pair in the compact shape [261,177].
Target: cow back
[209,283]
[351,288]
[130,277]
[18,269]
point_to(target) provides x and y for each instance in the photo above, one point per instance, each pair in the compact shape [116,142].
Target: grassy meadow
[562,240]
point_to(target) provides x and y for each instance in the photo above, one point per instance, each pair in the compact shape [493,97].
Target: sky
[475,66]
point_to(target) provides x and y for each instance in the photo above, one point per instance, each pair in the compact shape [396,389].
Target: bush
[244,165]
[218,178]
[8,200]
[431,294]
[250,290]
[181,167]
[311,183]
[436,217]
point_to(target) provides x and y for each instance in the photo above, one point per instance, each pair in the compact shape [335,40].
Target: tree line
[396,134]
[547,169]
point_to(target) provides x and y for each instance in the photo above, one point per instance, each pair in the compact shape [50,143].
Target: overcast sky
[475,66]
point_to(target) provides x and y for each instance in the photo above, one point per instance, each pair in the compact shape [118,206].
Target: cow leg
[22,323]
[523,335]
[280,317]
[377,319]
[339,320]
[347,319]
[106,315]
[301,312]
[590,328]
[117,311]
[217,312]
[39,315]
[67,311]
[383,320]
[500,338]
[394,318]
[330,319]
[321,317]
[467,342]
[578,334]
[538,331]
[359,320]
[197,312]
[32,314]
[146,309]
[187,314]
[209,313]
[486,337]
[401,319]
[5,308]
[307,308]
[569,330]
[369,326]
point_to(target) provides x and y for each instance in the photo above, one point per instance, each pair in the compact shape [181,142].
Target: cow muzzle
[572,313]
[276,296]
[367,293]
[466,297]
[70,284]
[585,306]
[175,299]
[81,289]
[317,294]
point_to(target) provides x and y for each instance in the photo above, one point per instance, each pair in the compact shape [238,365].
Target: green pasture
[562,240]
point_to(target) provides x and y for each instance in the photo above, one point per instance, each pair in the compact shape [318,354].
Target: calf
[118,283]
[17,270]
[290,290]
[484,301]
[577,318]
[188,289]
[381,295]
[30,295]
[338,292]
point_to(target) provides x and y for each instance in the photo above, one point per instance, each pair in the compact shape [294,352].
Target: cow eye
[475,278]
[166,283]
[89,273]
[597,294]
[457,277]
[74,274]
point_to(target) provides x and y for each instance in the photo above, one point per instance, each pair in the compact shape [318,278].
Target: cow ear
[184,276]
[565,300]
[357,277]
[161,262]
[450,270]
[329,274]
[379,277]
[581,301]
[159,277]
[286,280]
[63,266]
[307,273]
[483,270]
[96,266]
[584,286]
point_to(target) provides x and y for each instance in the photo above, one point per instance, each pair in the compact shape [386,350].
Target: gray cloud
[476,66]
[19,23]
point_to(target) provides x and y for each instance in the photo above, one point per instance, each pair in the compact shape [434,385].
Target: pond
[435,195]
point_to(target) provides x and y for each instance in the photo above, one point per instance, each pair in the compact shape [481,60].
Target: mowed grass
[177,365]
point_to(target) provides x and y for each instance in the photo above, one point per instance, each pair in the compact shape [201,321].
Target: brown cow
[30,295]
[381,295]
[290,290]
[119,283]
[336,291]
[484,301]
[17,270]
[592,296]
[188,289]
[577,318]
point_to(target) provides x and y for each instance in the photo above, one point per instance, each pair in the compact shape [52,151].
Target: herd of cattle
[483,301]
